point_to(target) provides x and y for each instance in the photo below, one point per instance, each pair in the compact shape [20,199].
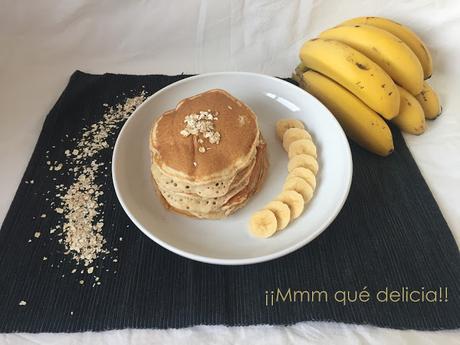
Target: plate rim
[240,261]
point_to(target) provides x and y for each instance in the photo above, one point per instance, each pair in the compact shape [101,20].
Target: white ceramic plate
[228,241]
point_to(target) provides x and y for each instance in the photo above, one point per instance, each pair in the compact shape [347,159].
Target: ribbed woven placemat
[390,234]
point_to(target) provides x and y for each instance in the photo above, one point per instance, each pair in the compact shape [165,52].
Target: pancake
[179,155]
[237,201]
[210,189]
[208,156]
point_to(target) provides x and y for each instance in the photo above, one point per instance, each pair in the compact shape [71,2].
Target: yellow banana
[385,49]
[360,123]
[411,118]
[355,72]
[404,34]
[429,101]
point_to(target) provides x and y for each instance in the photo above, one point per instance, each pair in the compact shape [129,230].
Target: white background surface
[43,42]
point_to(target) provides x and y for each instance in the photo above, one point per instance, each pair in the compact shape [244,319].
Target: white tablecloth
[43,42]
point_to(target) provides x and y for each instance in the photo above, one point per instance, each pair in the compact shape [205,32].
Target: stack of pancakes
[208,156]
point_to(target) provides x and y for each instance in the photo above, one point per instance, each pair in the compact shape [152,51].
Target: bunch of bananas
[368,70]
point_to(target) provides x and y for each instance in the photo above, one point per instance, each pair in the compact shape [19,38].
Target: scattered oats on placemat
[78,205]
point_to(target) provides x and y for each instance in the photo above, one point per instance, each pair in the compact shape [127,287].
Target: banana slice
[302,146]
[284,124]
[293,134]
[294,201]
[304,161]
[263,223]
[300,186]
[281,212]
[305,174]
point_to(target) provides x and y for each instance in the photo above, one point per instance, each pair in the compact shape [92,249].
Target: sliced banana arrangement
[294,201]
[303,161]
[299,185]
[282,213]
[302,146]
[294,134]
[263,223]
[305,174]
[284,124]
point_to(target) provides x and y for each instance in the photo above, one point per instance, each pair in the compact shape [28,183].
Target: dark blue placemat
[389,235]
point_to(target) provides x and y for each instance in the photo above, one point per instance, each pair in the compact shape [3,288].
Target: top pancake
[179,155]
